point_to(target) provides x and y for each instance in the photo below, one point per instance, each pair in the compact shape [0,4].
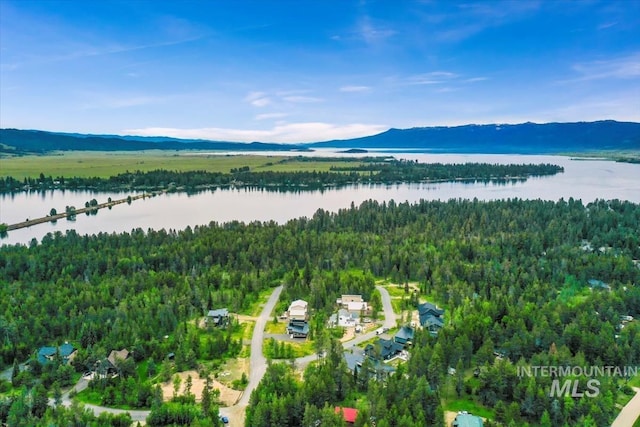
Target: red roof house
[349,414]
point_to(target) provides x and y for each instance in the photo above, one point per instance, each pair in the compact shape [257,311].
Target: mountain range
[37,141]
[525,138]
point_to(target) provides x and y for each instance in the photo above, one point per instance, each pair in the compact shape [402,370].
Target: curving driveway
[257,363]
[389,322]
[630,413]
[390,317]
[258,367]
[6,374]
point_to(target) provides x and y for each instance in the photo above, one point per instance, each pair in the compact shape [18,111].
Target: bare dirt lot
[228,396]
[232,370]
[449,417]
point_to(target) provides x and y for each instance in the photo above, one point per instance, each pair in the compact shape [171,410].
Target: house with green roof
[47,354]
[404,335]
[465,419]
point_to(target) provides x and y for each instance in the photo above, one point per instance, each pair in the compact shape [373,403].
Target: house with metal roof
[218,317]
[383,349]
[465,419]
[47,354]
[404,335]
[298,329]
[430,317]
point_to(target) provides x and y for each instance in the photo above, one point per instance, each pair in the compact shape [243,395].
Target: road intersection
[257,364]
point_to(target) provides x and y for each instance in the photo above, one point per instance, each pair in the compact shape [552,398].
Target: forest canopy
[513,275]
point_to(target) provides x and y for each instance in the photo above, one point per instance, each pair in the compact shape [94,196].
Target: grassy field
[619,155]
[275,328]
[622,399]
[104,164]
[470,406]
[397,292]
[256,307]
[233,370]
[301,349]
[91,397]
[247,329]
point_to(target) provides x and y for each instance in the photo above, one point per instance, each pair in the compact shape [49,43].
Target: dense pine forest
[374,171]
[514,277]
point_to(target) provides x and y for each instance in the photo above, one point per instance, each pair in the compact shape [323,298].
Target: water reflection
[585,180]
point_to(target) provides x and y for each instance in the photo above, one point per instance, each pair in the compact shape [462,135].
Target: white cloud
[607,25]
[283,133]
[291,92]
[372,33]
[69,50]
[476,79]
[619,68]
[434,77]
[267,116]
[355,89]
[261,102]
[257,99]
[90,100]
[615,106]
[262,99]
[472,18]
[302,99]
[251,96]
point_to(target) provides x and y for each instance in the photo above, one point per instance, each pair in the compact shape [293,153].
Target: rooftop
[467,420]
[220,312]
[349,414]
[405,333]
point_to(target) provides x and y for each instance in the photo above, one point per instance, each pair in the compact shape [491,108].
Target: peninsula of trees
[372,170]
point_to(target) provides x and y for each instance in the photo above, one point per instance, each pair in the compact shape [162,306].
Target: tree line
[373,171]
[513,276]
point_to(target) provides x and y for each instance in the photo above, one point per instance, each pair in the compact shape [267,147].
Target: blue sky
[299,71]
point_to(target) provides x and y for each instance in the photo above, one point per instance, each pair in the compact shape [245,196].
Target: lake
[582,179]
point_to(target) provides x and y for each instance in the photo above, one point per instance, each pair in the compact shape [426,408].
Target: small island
[354,151]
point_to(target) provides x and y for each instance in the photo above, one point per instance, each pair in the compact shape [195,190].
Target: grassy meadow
[104,164]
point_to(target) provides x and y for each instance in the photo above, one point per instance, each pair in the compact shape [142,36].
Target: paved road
[390,319]
[136,415]
[257,369]
[6,374]
[257,363]
[630,413]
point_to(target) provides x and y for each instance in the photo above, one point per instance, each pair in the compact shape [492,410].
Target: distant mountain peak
[528,137]
[36,141]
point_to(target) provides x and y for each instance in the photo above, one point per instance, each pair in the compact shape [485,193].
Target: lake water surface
[585,180]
